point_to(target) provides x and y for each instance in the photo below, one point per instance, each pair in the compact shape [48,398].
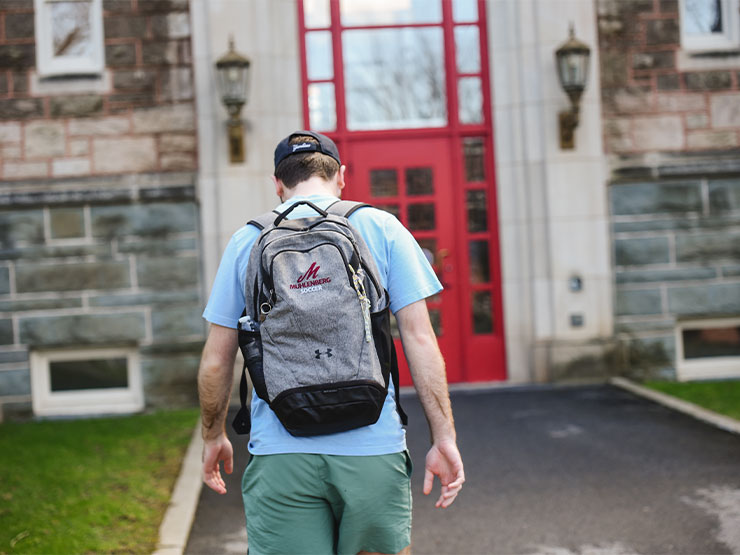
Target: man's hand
[215,451]
[443,460]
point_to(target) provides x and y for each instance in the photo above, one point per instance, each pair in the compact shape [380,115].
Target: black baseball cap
[325,146]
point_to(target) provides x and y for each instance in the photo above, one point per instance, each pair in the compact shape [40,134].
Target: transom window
[383,64]
[69,37]
[708,25]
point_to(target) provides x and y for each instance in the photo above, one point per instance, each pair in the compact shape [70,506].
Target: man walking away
[345,492]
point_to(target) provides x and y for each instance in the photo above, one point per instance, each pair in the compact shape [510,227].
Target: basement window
[100,381]
[708,349]
[710,25]
[69,37]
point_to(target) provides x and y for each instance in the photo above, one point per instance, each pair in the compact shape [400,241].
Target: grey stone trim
[149,298]
[708,299]
[31,278]
[655,198]
[677,274]
[177,321]
[671,165]
[639,302]
[24,305]
[8,357]
[631,325]
[708,247]
[102,250]
[96,196]
[687,222]
[15,382]
[83,329]
[642,251]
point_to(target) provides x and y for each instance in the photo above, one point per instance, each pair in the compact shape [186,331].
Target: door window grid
[396,190]
[479,247]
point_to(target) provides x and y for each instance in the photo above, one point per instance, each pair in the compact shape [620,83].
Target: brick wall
[655,97]
[99,238]
[138,118]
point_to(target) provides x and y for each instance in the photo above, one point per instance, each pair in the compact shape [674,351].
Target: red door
[411,179]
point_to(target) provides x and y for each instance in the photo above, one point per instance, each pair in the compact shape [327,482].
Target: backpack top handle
[282,216]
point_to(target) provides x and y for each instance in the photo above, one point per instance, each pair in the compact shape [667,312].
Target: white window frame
[729,39]
[708,367]
[85,401]
[47,65]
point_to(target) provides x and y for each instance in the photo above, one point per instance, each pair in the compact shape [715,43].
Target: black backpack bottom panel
[329,409]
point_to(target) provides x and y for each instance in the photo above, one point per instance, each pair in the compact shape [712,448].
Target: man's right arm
[215,376]
[428,373]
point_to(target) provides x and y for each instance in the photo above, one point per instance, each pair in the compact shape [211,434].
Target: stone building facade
[671,133]
[99,224]
[117,195]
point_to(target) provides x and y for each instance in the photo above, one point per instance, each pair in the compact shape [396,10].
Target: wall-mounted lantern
[572,60]
[233,80]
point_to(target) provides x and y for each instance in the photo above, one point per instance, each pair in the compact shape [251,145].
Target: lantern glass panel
[573,67]
[233,83]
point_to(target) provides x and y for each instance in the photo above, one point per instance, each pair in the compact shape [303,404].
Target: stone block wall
[136,117]
[90,275]
[676,257]
[655,96]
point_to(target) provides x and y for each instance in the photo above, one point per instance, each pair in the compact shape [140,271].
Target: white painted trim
[729,39]
[707,367]
[49,65]
[90,401]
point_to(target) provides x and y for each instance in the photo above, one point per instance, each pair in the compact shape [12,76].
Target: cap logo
[302,145]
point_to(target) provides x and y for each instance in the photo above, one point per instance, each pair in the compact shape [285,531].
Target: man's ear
[340,177]
[279,187]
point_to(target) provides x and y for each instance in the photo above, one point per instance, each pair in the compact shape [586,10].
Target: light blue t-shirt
[404,272]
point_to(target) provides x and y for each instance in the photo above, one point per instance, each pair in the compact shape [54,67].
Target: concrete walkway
[555,471]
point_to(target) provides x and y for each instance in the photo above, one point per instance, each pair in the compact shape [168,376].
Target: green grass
[89,486]
[721,396]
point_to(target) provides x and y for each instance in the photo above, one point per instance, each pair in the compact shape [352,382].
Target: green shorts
[305,503]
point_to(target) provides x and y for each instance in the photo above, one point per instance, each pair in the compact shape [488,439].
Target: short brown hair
[302,166]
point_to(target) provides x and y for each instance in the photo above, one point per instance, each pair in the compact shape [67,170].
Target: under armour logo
[327,353]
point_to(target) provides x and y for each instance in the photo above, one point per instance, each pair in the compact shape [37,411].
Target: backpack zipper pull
[357,281]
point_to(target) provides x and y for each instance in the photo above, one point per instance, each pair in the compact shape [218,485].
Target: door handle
[441,269]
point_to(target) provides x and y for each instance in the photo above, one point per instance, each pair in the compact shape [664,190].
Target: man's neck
[313,186]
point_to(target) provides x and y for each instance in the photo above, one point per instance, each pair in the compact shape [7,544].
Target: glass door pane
[394,78]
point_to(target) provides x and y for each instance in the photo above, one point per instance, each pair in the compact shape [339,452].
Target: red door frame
[455,132]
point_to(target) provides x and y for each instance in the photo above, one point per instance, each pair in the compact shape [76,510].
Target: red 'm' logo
[312,273]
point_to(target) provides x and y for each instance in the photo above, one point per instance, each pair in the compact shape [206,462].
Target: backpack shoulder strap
[263,220]
[346,208]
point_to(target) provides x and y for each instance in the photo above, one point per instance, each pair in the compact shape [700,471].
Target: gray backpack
[315,332]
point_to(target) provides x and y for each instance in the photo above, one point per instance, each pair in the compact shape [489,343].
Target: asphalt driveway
[555,471]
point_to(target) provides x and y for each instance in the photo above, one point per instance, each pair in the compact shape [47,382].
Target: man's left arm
[215,376]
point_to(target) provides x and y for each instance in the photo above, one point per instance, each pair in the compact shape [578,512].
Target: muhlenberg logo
[310,281]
